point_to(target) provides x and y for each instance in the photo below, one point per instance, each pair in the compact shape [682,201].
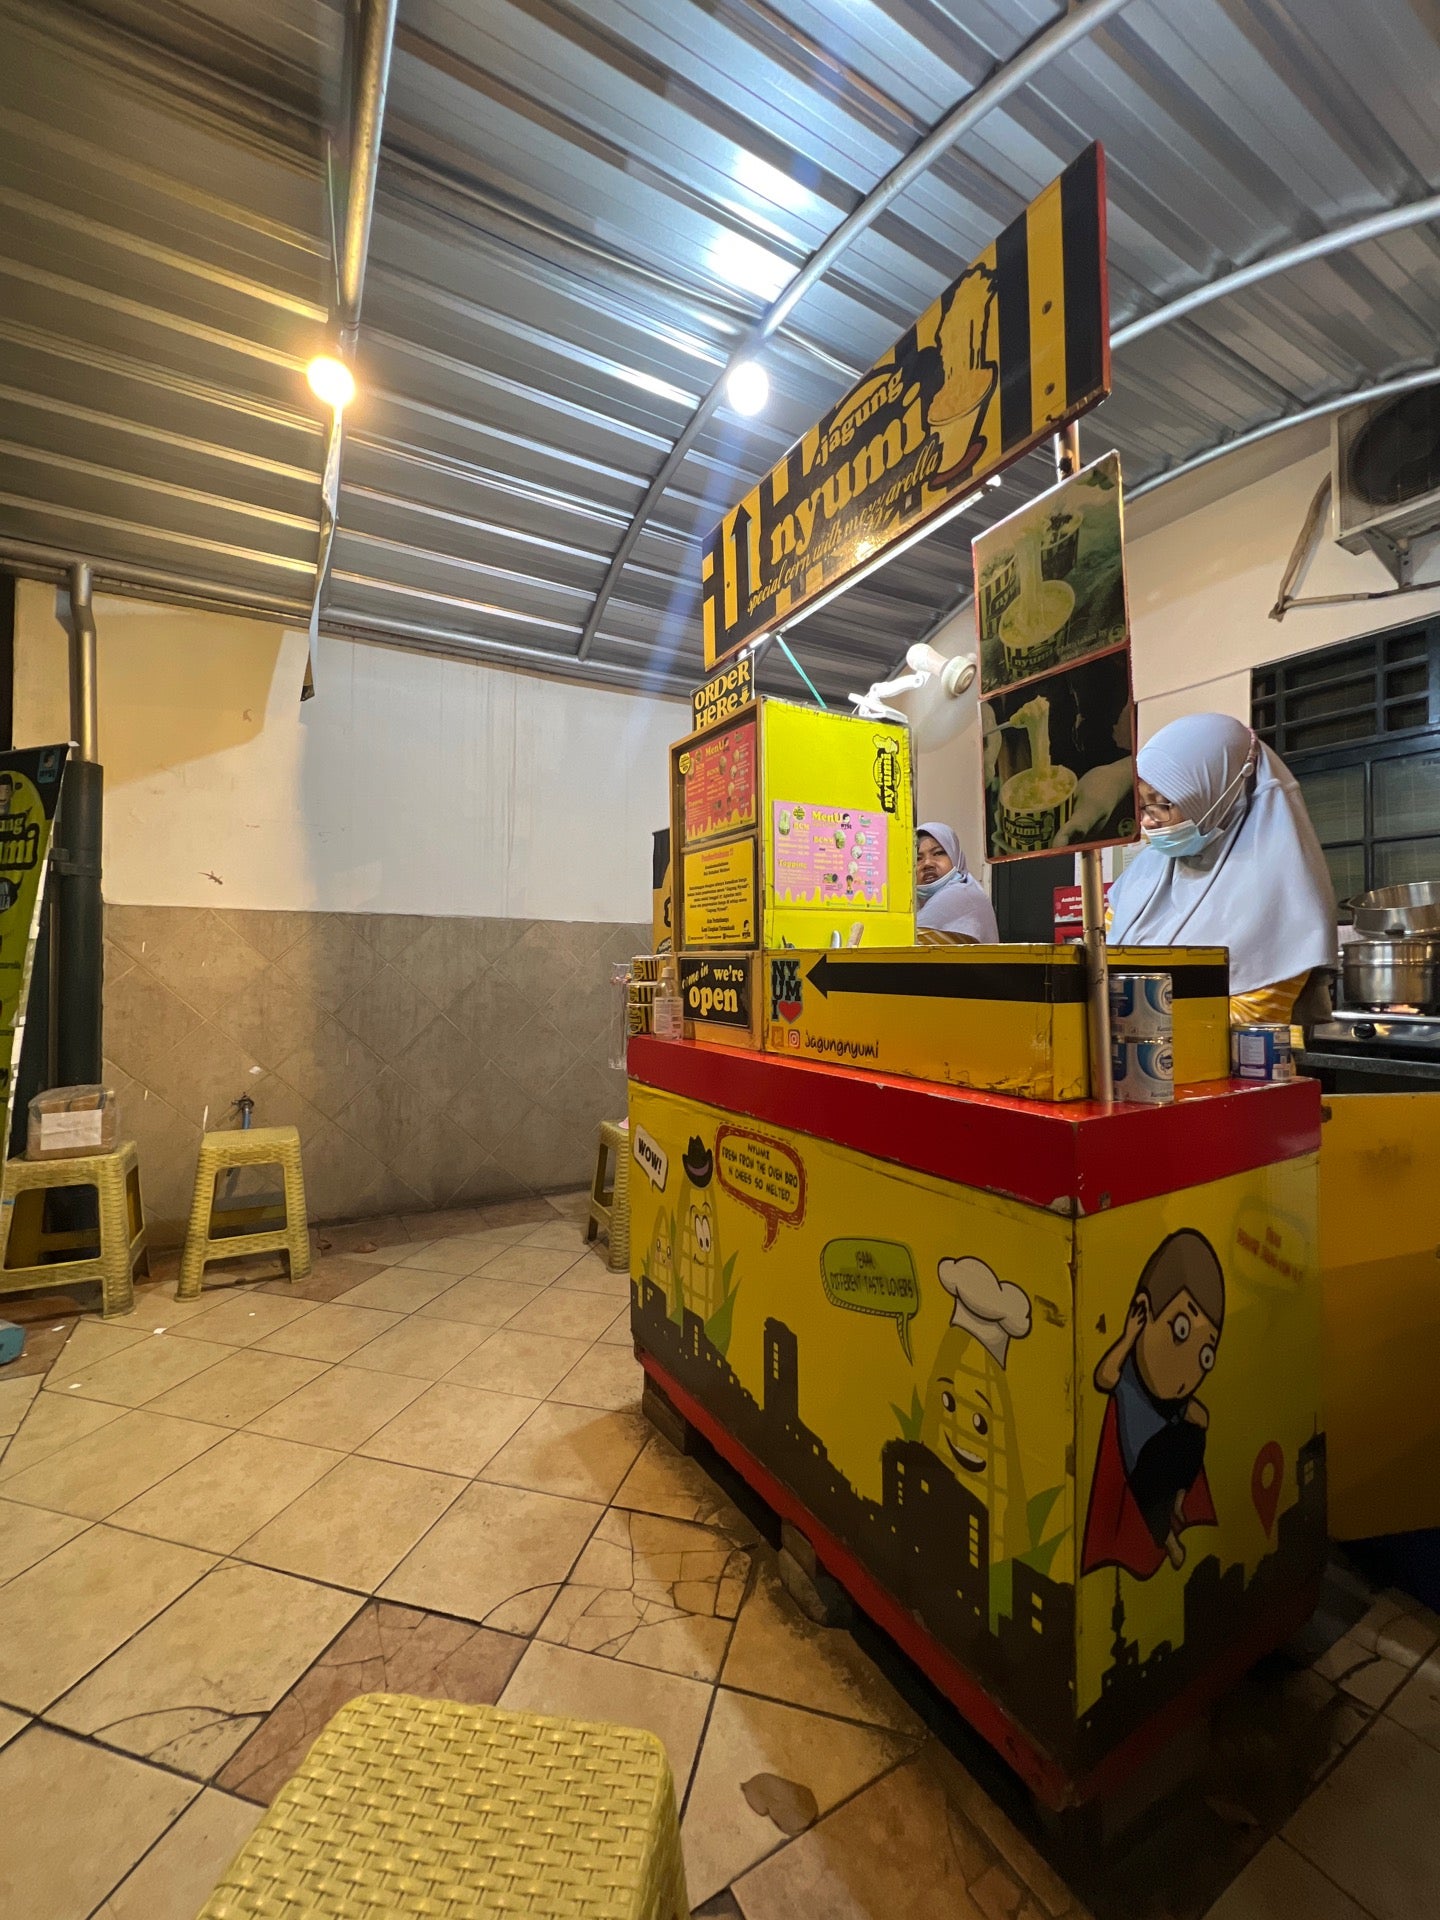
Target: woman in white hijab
[952,903]
[1230,860]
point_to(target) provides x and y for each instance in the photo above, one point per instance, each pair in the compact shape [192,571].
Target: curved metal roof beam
[1373,227]
[1008,78]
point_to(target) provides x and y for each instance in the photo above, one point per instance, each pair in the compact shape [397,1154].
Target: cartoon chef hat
[994,1310]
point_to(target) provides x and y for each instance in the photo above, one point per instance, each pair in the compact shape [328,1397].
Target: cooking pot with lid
[1388,912]
[1393,973]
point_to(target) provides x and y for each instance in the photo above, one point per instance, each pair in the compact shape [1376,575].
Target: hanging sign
[1014,347]
[724,694]
[29,793]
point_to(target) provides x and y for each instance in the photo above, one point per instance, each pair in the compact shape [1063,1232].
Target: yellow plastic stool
[245,1147]
[115,1176]
[610,1208]
[407,1806]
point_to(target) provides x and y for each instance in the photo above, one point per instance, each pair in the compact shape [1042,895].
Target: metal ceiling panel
[583,207]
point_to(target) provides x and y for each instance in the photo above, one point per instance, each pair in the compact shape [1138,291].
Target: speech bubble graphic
[650,1157]
[1266,1477]
[873,1276]
[761,1173]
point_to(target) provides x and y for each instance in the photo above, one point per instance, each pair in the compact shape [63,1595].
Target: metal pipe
[84,699]
[376,40]
[1008,78]
[1092,882]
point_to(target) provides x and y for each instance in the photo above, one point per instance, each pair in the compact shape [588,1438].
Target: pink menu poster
[825,854]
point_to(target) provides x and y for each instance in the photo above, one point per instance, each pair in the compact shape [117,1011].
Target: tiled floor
[425,1469]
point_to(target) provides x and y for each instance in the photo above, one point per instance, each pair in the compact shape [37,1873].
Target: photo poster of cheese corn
[1017,345]
[29,796]
[1053,639]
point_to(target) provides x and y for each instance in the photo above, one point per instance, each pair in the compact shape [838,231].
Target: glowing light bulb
[331,381]
[747,387]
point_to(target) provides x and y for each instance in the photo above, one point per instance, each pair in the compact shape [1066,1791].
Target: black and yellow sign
[29,794]
[715,989]
[718,904]
[1015,347]
[724,694]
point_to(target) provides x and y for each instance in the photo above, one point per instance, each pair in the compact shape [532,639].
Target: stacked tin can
[1142,1037]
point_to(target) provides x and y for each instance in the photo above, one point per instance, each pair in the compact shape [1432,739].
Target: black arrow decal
[1048,985]
[743,582]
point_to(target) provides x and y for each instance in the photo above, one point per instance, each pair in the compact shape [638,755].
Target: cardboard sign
[715,990]
[719,899]
[1015,346]
[724,694]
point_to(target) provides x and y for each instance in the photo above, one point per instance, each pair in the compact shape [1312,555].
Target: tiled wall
[427,1062]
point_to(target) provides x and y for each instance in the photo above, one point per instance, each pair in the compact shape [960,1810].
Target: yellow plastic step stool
[406,1806]
[610,1207]
[24,1238]
[244,1147]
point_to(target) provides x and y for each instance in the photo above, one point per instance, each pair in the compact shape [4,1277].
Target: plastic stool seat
[426,1807]
[219,1153]
[115,1177]
[610,1207]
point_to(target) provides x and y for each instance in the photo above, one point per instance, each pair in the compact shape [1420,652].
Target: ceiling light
[331,381]
[747,387]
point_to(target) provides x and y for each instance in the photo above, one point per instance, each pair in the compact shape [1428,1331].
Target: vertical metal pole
[79,918]
[1092,882]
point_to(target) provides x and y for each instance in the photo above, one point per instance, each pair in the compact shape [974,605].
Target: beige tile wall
[427,1062]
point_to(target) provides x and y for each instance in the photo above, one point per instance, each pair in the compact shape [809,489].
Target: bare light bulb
[747,387]
[331,381]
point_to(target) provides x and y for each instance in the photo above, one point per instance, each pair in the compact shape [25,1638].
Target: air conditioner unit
[1386,477]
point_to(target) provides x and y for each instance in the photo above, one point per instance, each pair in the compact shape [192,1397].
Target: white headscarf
[1262,889]
[955,903]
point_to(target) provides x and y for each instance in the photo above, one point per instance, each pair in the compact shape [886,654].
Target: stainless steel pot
[1386,912]
[1392,973]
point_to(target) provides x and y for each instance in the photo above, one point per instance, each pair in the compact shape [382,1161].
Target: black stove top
[1360,1051]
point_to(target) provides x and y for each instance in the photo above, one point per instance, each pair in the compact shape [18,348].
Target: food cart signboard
[719,906]
[825,854]
[719,777]
[1013,348]
[724,693]
[1054,648]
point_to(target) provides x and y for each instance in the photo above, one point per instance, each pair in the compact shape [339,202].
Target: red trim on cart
[1033,1150]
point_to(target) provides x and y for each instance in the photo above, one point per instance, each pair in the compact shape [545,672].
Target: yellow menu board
[719,905]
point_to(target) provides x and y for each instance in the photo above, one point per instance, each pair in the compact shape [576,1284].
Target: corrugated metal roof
[581,210]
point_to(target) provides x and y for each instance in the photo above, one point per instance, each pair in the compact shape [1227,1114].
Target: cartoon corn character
[662,1255]
[969,1419]
[697,1250]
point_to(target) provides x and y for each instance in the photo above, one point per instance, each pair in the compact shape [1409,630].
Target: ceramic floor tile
[480,1302]
[1371,1826]
[219,1500]
[11,1724]
[98,1473]
[557,1680]
[754,1742]
[138,1373]
[28,1534]
[1417,1705]
[71,1610]
[397,1290]
[591,1275]
[356,1524]
[1280,1884]
[326,1281]
[340,1409]
[92,1341]
[560,1236]
[461,1254]
[579,1452]
[15,1398]
[531,1266]
[450,1428]
[619,1332]
[664,1481]
[385,1649]
[609,1377]
[658,1593]
[180,1872]
[384,1250]
[238,1388]
[496,1557]
[530,1364]
[329,1333]
[778,1652]
[419,1348]
[245,1318]
[48,1784]
[571,1315]
[53,1421]
[191,1688]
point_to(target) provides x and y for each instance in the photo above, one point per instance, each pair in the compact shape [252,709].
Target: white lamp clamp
[925,664]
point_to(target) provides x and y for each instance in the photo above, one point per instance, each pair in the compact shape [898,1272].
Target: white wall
[1204,559]
[409,784]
